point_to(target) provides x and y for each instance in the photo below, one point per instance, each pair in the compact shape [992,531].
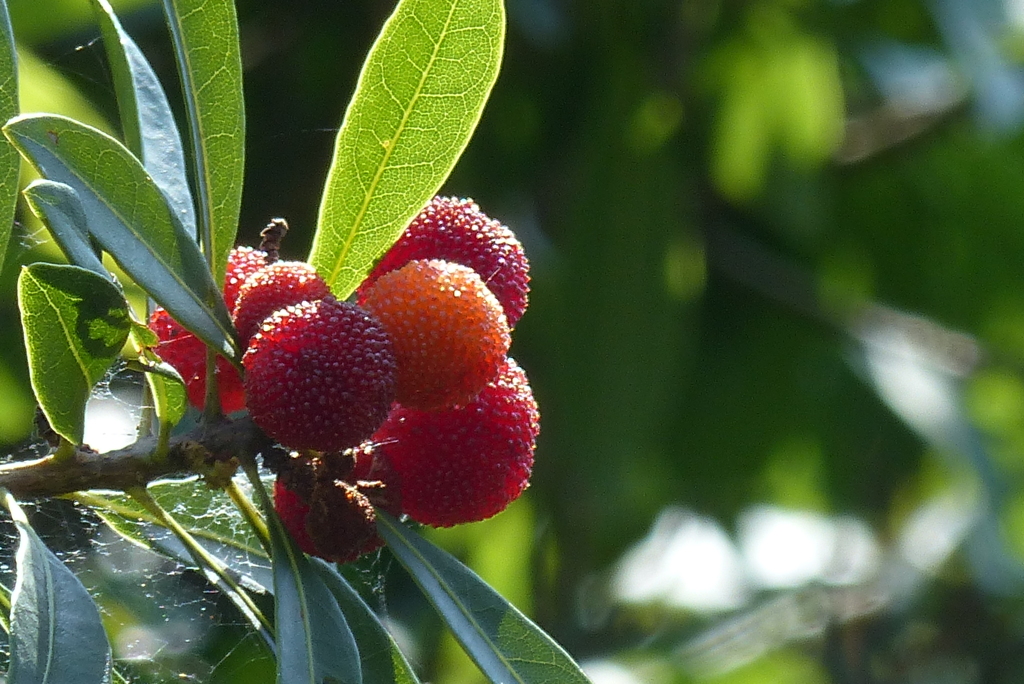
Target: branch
[200,450]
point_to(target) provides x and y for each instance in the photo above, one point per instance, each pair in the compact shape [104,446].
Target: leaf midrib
[60,319]
[123,220]
[389,150]
[453,596]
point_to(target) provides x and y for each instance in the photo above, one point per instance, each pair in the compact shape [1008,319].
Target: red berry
[327,510]
[187,354]
[242,263]
[341,522]
[293,511]
[456,230]
[464,464]
[320,375]
[449,332]
[275,287]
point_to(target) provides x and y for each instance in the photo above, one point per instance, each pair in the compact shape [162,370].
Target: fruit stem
[249,512]
[206,561]
[272,236]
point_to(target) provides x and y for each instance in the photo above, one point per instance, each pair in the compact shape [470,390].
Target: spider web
[165,619]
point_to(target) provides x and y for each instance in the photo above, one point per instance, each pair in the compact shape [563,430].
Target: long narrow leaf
[9,161]
[383,662]
[205,35]
[313,639]
[146,117]
[58,207]
[419,98]
[504,643]
[130,218]
[75,323]
[212,520]
[56,633]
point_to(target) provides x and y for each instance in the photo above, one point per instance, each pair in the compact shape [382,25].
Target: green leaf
[146,117]
[166,386]
[170,401]
[313,640]
[419,98]
[504,643]
[211,519]
[9,162]
[382,661]
[57,205]
[130,218]
[75,324]
[56,633]
[205,35]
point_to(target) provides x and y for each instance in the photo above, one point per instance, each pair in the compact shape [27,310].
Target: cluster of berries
[406,400]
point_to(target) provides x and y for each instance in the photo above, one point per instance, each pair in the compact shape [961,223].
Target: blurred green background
[776,328]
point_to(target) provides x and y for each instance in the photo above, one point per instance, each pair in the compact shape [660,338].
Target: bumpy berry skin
[456,230]
[242,263]
[187,354]
[275,287]
[464,464]
[293,511]
[320,375]
[449,331]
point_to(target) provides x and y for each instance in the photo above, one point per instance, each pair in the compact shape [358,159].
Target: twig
[132,466]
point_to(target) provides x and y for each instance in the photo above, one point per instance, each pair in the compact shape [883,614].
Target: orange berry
[449,332]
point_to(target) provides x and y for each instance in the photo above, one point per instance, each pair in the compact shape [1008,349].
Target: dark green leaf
[56,633]
[75,324]
[205,34]
[146,117]
[314,641]
[420,95]
[504,643]
[383,662]
[57,205]
[9,161]
[130,218]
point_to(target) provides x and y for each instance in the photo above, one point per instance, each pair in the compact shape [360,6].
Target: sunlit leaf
[130,218]
[166,386]
[419,97]
[9,161]
[205,35]
[45,23]
[146,117]
[170,400]
[56,633]
[382,661]
[58,207]
[75,324]
[504,643]
[206,513]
